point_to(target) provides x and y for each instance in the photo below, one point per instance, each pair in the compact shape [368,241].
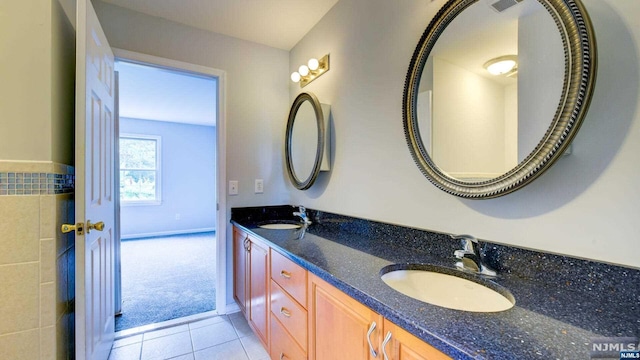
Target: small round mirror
[305,140]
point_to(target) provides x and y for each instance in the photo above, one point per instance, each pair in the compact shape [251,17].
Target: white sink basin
[448,291]
[280,226]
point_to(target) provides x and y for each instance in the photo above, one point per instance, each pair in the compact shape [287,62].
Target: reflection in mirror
[478,135]
[477,125]
[306,143]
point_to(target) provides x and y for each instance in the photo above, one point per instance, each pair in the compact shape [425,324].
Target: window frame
[158,170]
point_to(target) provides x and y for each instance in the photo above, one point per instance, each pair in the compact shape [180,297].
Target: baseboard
[167,233]
[231,308]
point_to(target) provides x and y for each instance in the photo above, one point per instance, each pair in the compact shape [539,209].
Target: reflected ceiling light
[312,70]
[504,65]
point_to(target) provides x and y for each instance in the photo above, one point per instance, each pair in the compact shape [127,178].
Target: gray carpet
[164,278]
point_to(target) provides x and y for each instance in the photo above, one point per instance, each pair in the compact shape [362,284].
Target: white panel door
[94,193]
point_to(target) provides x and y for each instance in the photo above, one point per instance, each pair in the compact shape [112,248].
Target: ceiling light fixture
[504,65]
[311,71]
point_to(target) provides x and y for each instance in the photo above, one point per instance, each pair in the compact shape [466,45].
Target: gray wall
[587,205]
[188,181]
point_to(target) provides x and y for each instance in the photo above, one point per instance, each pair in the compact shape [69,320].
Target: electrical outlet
[259,187]
[233,187]
[177,216]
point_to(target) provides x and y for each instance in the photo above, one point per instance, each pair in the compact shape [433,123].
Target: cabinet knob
[285,312]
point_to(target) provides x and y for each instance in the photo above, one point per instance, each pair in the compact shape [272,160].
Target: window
[140,169]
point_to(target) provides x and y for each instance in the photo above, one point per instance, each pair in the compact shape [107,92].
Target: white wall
[540,63]
[586,205]
[37,70]
[468,122]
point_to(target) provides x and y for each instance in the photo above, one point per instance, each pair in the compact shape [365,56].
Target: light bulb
[313,64]
[295,77]
[303,70]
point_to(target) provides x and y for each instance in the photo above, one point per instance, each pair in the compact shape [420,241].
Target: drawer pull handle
[285,312]
[281,356]
[384,345]
[285,274]
[373,327]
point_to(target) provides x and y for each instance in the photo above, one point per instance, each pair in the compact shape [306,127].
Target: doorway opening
[167,264]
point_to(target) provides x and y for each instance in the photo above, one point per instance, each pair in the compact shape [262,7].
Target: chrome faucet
[302,213]
[470,257]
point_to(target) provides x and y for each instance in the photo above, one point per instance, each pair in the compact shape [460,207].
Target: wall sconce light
[504,65]
[311,71]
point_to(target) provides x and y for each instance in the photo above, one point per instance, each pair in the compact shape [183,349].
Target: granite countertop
[562,303]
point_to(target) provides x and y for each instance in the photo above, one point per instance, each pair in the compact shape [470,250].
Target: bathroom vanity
[306,297]
[297,315]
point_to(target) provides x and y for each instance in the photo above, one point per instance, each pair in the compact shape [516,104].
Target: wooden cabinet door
[339,326]
[258,290]
[404,346]
[240,264]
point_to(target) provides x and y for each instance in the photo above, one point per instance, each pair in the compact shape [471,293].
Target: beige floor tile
[209,321]
[127,352]
[167,347]
[241,326]
[212,335]
[253,347]
[164,332]
[231,350]
[127,341]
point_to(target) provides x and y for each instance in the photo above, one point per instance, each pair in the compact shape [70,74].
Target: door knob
[78,228]
[97,226]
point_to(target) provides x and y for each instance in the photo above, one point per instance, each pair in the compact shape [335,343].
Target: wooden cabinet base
[282,344]
[404,346]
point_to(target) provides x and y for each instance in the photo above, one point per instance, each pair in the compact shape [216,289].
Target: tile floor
[221,337]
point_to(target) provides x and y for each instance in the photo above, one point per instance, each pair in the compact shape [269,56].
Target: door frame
[221,156]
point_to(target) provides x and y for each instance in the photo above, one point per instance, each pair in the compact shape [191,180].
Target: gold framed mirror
[477,135]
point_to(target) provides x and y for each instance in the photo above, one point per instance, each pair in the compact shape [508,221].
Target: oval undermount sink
[443,287]
[280,225]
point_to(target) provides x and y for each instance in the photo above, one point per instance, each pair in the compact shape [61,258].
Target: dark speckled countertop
[562,303]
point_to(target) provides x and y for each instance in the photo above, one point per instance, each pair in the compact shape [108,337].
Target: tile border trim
[35,178]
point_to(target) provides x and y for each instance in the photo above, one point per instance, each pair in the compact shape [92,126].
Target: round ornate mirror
[495,92]
[305,140]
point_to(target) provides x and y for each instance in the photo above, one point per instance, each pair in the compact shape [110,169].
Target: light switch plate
[259,187]
[233,187]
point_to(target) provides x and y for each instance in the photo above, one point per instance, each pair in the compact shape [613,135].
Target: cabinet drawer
[282,345]
[290,314]
[292,277]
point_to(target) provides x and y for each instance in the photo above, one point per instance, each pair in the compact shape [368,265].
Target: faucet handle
[469,243]
[459,254]
[302,209]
